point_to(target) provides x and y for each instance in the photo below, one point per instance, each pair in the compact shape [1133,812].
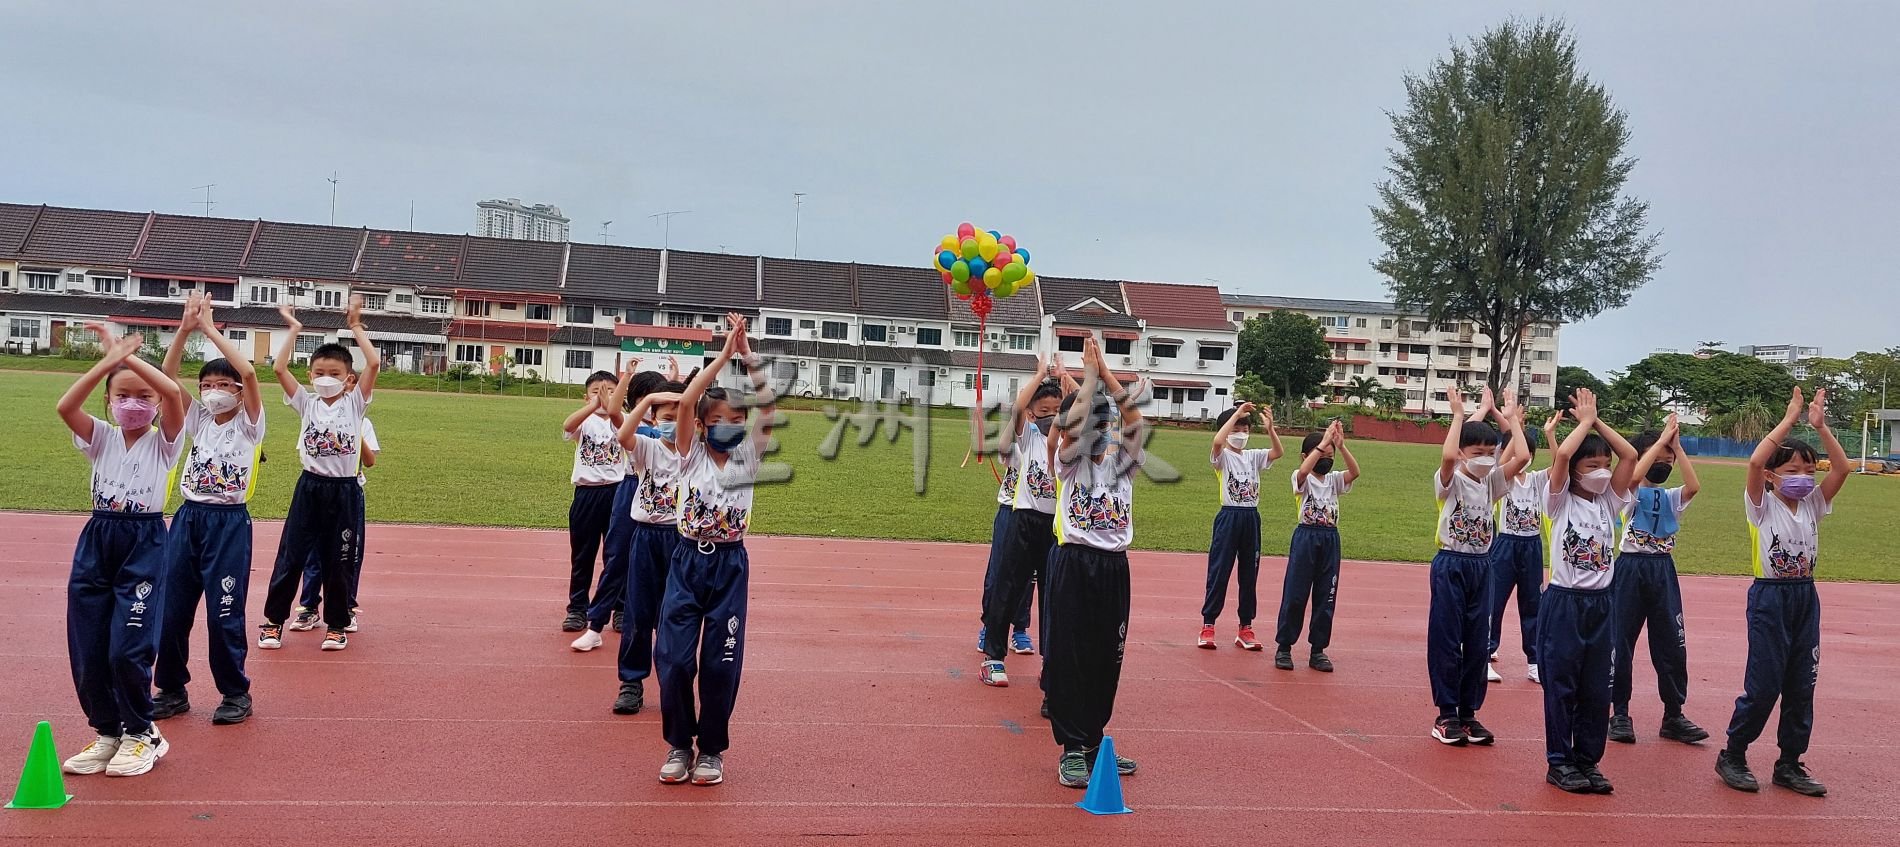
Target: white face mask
[327,386]
[219,402]
[1237,440]
[1595,481]
[1480,467]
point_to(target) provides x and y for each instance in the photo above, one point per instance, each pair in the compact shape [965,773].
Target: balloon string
[982,323]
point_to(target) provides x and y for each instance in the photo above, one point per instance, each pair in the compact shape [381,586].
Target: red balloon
[963,296]
[965,230]
[1003,259]
[947,278]
[1008,241]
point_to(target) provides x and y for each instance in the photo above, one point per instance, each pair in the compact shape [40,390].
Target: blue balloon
[1023,255]
[947,258]
[977,267]
[996,235]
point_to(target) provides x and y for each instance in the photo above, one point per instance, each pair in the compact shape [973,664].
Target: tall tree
[1504,206]
[1716,383]
[1362,389]
[1288,351]
[1570,378]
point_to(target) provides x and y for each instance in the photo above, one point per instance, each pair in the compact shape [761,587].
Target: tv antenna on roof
[666,236]
[603,230]
[333,182]
[798,217]
[208,203]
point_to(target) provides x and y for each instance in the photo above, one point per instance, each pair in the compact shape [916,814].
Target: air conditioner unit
[1128,360]
[1151,361]
[1201,363]
[943,371]
[811,333]
[904,330]
[172,289]
[996,345]
[996,336]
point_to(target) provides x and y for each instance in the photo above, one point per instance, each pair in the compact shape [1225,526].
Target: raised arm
[1665,441]
[1690,484]
[1448,457]
[1765,449]
[1550,429]
[247,372]
[764,399]
[1511,419]
[1019,414]
[72,404]
[1620,478]
[619,399]
[580,415]
[684,430]
[1837,468]
[1311,459]
[171,398]
[372,360]
[1069,385]
[1123,397]
[281,364]
[187,323]
[1583,407]
[1274,450]
[1242,414]
[630,428]
[1340,448]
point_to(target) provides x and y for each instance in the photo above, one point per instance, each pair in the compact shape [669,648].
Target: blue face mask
[648,431]
[664,431]
[724,437]
[1099,446]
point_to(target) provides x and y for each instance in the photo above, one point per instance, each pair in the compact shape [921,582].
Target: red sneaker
[1207,637]
[1245,640]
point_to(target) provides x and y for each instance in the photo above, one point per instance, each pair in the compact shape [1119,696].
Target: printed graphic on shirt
[1639,541]
[1041,485]
[601,452]
[1315,513]
[1585,553]
[1520,519]
[657,499]
[214,474]
[703,519]
[1097,513]
[1008,488]
[1787,563]
[1468,525]
[112,503]
[324,443]
[1243,491]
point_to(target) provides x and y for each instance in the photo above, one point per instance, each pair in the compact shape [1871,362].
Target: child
[208,552]
[1087,589]
[1237,525]
[1575,622]
[608,606]
[599,466]
[1019,642]
[116,593]
[1784,506]
[1031,529]
[1312,561]
[1517,556]
[1469,482]
[307,618]
[653,516]
[327,505]
[1646,590]
[706,579]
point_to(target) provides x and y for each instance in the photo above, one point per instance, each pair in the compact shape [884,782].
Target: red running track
[459,716]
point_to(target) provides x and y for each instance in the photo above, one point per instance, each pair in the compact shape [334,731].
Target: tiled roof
[496,264]
[800,284]
[1312,304]
[994,361]
[714,281]
[613,274]
[84,237]
[1020,309]
[303,251]
[415,258]
[899,292]
[72,304]
[500,331]
[193,246]
[15,220]
[59,304]
[1180,306]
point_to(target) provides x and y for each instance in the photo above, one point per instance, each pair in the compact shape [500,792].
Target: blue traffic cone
[1104,796]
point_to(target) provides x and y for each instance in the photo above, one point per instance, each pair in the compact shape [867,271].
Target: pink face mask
[134,412]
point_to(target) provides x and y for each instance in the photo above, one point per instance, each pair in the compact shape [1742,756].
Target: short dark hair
[1530,441]
[1311,442]
[1479,434]
[335,353]
[1049,389]
[1228,415]
[220,367]
[1593,447]
[1790,450]
[1645,440]
[601,376]
[642,384]
[712,395]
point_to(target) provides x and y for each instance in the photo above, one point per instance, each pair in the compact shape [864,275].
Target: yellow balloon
[983,238]
[992,278]
[988,250]
[1029,278]
[949,243]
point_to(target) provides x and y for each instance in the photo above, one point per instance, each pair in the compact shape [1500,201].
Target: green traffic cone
[42,786]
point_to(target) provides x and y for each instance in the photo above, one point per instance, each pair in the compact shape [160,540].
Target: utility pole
[798,216]
[666,239]
[208,203]
[334,181]
[412,213]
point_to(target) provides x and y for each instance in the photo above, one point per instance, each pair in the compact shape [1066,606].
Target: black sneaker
[1072,770]
[234,709]
[170,704]
[1320,662]
[1450,731]
[574,622]
[1733,767]
[1622,731]
[1568,778]
[1477,733]
[1045,707]
[1283,659]
[1794,777]
[1123,765]
[1599,784]
[631,700]
[1680,728]
[620,621]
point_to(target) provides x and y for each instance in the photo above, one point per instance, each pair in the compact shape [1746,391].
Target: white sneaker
[1491,674]
[335,640]
[1532,675]
[352,626]
[93,759]
[589,640]
[709,770]
[1494,657]
[679,763]
[138,753]
[305,620]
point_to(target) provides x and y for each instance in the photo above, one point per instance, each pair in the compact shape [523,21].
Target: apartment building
[1794,357]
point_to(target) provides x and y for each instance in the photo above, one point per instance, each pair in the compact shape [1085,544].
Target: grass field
[485,460]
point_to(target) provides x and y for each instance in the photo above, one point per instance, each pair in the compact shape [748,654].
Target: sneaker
[1680,728]
[1207,637]
[1045,707]
[305,621]
[679,763]
[631,700]
[1283,659]
[1491,674]
[138,753]
[1123,765]
[1020,644]
[1320,662]
[235,709]
[982,639]
[351,626]
[1450,731]
[588,640]
[993,674]
[1622,731]
[573,622]
[270,636]
[1494,655]
[1733,768]
[170,704]
[1568,778]
[1244,639]
[619,621]
[94,758]
[335,640]
[1072,770]
[709,770]
[1794,777]
[1599,784]
[1532,674]
[1477,733]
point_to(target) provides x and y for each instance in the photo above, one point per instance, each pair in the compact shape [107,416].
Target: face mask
[724,437]
[664,431]
[327,386]
[134,413]
[1238,441]
[1044,423]
[1659,473]
[1099,447]
[648,431]
[1323,467]
[1480,467]
[1796,487]
[219,402]
[1594,482]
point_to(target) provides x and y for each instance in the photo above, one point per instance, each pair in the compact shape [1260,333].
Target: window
[108,285]
[930,337]
[263,294]
[435,306]
[1166,351]
[609,312]
[1415,394]
[679,319]
[1213,354]
[927,378]
[1069,343]
[1358,369]
[238,334]
[540,312]
[1359,323]
[509,307]
[24,328]
[1540,379]
[807,324]
[1331,322]
[1447,327]
[1483,353]
[1197,395]
[1240,317]
[965,339]
[1541,355]
[528,357]
[969,381]
[1385,323]
[1220,392]
[640,316]
[468,353]
[75,280]
[1118,346]
[405,299]
[580,360]
[307,344]
[784,371]
[326,298]
[778,326]
[376,302]
[580,314]
[847,376]
[147,287]
[222,292]
[873,332]
[837,330]
[6,279]
[1543,331]
[824,379]
[1421,326]
[1540,402]
[1022,342]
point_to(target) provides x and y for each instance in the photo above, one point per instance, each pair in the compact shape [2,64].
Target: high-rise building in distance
[510,219]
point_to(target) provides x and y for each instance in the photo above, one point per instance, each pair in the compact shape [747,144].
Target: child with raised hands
[1237,472]
[1646,590]
[1312,562]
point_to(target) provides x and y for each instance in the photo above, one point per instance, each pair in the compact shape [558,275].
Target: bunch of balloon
[980,266]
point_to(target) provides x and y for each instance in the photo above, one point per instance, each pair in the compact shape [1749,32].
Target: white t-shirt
[1035,485]
[128,479]
[370,445]
[656,500]
[328,445]
[598,458]
[1638,541]
[1466,523]
[1521,512]
[715,504]
[1006,490]
[221,466]
[1583,538]
[1319,497]
[1787,544]
[1098,501]
[1239,475]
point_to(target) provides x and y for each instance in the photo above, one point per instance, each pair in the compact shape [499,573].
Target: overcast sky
[1184,142]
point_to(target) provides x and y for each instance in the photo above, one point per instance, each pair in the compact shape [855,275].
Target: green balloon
[961,286]
[960,271]
[969,248]
[1004,290]
[1014,272]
